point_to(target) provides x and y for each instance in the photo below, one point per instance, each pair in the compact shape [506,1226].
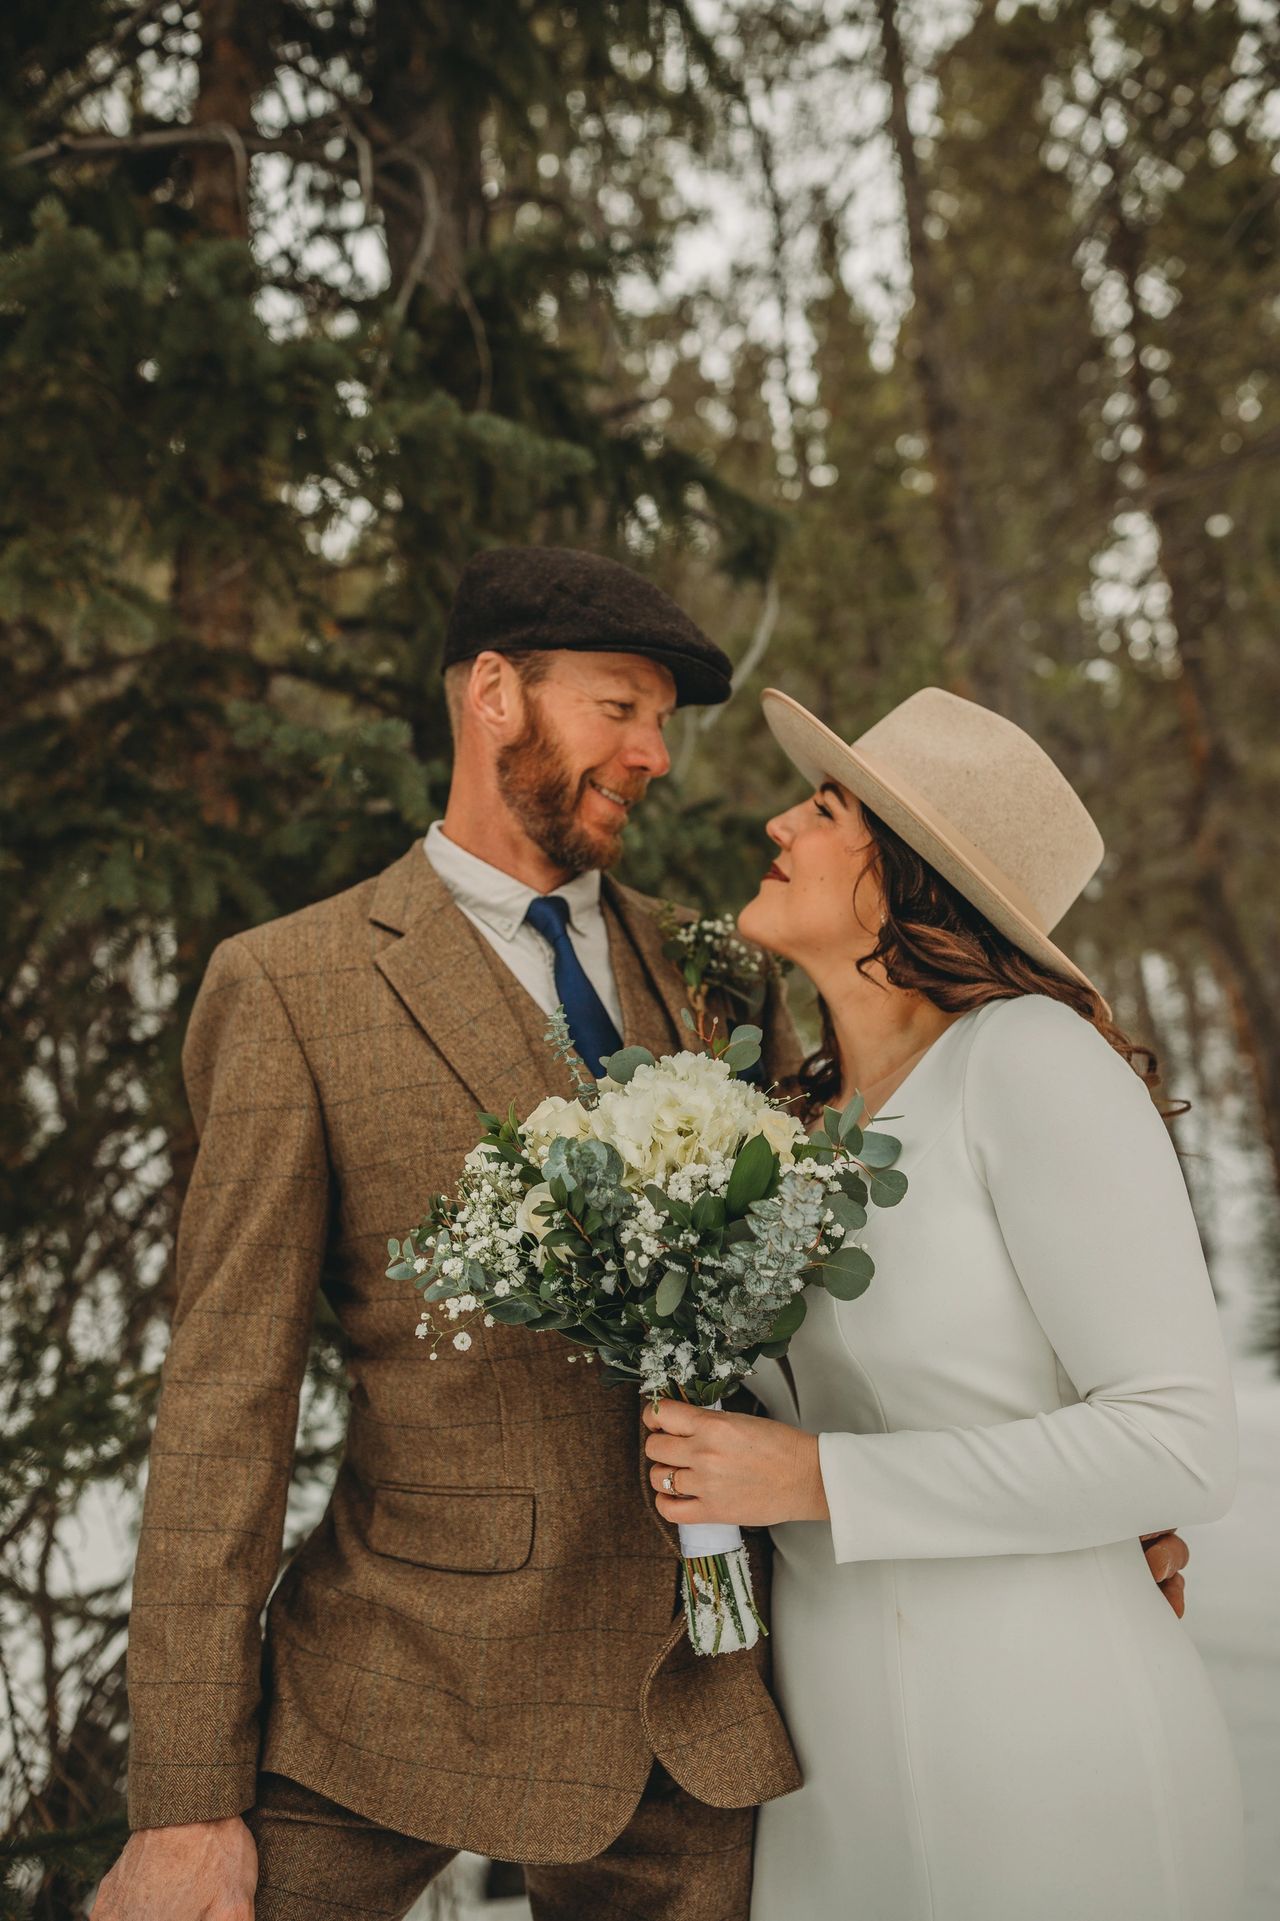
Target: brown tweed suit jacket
[478,1644]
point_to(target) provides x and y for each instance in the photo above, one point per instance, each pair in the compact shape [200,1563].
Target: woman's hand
[732,1467]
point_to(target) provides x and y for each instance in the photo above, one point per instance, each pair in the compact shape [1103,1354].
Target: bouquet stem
[719,1607]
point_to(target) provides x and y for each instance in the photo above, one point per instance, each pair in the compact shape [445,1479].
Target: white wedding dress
[998,1715]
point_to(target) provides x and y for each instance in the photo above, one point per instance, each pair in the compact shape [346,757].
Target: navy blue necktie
[594,1034]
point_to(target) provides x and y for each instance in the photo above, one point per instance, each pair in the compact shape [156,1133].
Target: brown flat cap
[515,599]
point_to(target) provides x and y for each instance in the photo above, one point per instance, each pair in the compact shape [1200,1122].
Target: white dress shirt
[496,904]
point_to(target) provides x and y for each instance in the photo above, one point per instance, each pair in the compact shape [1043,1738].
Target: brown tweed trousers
[478,1645]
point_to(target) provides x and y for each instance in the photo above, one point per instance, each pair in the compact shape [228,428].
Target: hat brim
[820,755]
[698,684]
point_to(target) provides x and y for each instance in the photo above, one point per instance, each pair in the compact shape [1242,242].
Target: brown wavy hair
[935,943]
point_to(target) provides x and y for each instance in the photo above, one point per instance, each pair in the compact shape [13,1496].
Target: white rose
[555,1119]
[783,1133]
[526,1220]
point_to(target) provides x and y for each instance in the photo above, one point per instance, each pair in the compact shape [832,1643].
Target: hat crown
[995,788]
[515,600]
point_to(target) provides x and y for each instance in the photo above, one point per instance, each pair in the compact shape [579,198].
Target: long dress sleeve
[1094,1212]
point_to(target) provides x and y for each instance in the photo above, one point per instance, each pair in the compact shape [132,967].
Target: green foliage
[240,471]
[754,1173]
[678,1292]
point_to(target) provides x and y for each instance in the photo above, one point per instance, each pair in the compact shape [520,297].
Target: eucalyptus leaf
[878,1150]
[846,1273]
[854,1110]
[852,1183]
[688,1021]
[670,1292]
[622,1065]
[740,1055]
[746,1033]
[850,1214]
[887,1186]
[515,1313]
[402,1271]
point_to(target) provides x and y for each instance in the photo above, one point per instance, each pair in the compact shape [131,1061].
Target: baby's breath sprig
[713,957]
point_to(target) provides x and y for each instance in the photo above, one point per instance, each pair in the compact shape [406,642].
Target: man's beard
[540,790]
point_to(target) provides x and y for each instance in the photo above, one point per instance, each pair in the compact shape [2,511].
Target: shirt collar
[498,899]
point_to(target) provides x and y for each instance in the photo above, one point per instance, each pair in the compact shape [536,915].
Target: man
[478,1647]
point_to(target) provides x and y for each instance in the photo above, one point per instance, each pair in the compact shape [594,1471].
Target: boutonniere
[713,958]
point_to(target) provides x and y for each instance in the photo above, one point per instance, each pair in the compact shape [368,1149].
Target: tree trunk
[211,574]
[429,183]
[928,350]
[1195,604]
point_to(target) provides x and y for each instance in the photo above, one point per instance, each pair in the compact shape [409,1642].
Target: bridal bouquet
[667,1221]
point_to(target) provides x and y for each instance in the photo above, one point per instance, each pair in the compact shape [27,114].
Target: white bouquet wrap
[666,1221]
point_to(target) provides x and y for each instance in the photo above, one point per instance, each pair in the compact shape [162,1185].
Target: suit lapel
[481,1021]
[649,985]
[469,1005]
[473,1009]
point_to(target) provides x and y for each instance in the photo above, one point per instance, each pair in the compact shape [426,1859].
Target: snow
[1233,1616]
[1233,1582]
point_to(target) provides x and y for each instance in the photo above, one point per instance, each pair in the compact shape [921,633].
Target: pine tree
[299,307]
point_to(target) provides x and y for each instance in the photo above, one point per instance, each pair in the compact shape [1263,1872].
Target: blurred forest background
[903,343]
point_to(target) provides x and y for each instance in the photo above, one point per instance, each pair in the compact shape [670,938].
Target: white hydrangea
[688,1111]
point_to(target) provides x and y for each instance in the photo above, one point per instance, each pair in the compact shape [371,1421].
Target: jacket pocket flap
[466,1530]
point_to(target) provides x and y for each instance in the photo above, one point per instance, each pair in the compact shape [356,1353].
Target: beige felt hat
[971,793]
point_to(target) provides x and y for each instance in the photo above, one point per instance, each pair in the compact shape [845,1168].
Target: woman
[997,1715]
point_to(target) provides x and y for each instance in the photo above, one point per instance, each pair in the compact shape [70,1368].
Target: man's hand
[1167,1554]
[204,1871]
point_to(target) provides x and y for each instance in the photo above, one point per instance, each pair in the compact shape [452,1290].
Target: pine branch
[127,29]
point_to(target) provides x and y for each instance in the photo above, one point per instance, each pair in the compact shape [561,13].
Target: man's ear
[494,697]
